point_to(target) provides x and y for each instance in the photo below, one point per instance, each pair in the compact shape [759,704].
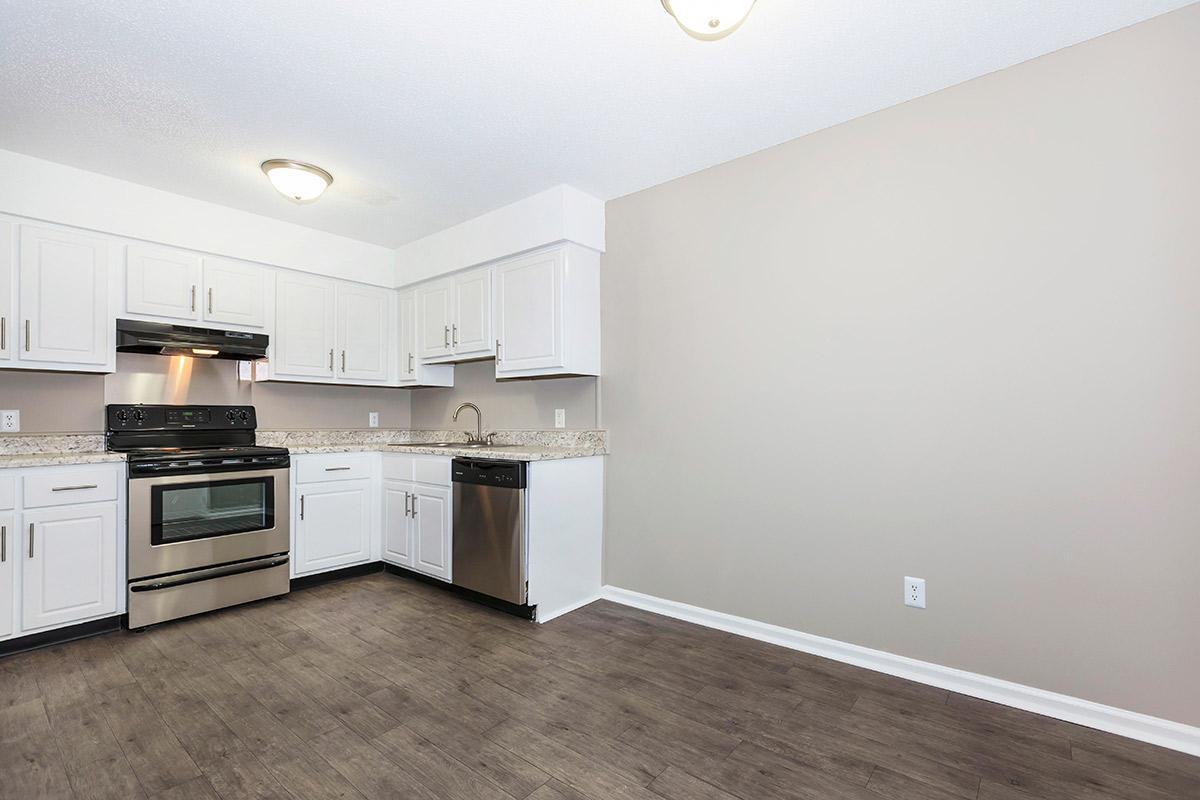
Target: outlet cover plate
[10,421]
[560,418]
[373,419]
[914,592]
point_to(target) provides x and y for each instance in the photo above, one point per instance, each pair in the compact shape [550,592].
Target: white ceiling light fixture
[295,180]
[709,19]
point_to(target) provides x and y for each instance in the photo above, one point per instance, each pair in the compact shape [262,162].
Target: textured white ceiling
[428,114]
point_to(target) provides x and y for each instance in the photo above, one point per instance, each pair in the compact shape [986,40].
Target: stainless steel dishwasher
[489,528]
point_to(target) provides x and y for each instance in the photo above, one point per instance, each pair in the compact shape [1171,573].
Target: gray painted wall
[955,339]
[508,405]
[51,402]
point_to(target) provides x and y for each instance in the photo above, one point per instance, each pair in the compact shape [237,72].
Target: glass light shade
[295,180]
[709,19]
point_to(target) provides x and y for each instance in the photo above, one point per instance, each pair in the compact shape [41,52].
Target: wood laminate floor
[381,687]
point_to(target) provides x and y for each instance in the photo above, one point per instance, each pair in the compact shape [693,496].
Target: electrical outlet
[560,418]
[10,421]
[914,592]
[373,419]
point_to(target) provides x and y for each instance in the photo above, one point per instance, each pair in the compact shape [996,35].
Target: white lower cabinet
[69,564]
[416,513]
[8,586]
[334,524]
[431,530]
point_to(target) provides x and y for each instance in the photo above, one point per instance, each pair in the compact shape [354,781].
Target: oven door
[182,522]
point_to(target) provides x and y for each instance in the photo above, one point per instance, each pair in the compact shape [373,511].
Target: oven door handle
[236,569]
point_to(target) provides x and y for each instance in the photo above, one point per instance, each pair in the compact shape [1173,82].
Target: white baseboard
[567,609]
[1174,735]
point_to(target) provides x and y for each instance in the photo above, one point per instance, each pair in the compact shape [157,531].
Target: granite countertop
[39,450]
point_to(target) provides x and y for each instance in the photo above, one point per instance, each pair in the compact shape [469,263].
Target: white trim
[1165,733]
[558,612]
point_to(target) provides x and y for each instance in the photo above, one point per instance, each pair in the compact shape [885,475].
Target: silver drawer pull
[336,469]
[31,540]
[74,488]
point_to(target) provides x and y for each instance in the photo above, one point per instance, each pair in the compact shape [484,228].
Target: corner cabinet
[455,317]
[548,313]
[62,303]
[335,498]
[413,371]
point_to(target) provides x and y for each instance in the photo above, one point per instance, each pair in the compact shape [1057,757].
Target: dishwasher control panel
[490,472]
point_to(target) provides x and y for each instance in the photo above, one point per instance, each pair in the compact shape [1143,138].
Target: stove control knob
[245,416]
[230,415]
[122,416]
[139,416]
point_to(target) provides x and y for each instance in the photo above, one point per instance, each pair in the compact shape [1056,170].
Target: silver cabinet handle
[454,337]
[193,298]
[414,506]
[26,336]
[343,361]
[31,540]
[498,356]
[73,488]
[410,363]
[210,299]
[3,333]
[336,469]
[406,499]
[3,543]
[301,506]
[446,337]
[331,361]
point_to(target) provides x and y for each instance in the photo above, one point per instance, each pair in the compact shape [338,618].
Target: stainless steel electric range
[208,509]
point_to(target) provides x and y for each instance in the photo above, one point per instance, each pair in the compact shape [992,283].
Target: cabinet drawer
[8,492]
[431,469]
[398,467]
[333,467]
[70,486]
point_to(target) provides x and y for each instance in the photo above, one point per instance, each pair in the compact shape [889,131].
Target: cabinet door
[8,556]
[162,282]
[63,286]
[362,320]
[471,328]
[529,313]
[8,325]
[407,312]
[69,564]
[397,532]
[333,525]
[235,293]
[304,338]
[431,531]
[433,315]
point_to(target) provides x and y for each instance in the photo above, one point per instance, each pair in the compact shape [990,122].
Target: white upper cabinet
[305,331]
[63,300]
[455,317]
[235,293]
[8,246]
[471,328]
[162,282]
[412,370]
[362,313]
[548,313]
[433,319]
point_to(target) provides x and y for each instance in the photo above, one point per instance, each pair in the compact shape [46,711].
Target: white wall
[956,339]
[561,213]
[32,187]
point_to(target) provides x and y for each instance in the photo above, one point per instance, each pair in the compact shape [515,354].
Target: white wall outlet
[10,421]
[914,592]
[560,418]
[373,419]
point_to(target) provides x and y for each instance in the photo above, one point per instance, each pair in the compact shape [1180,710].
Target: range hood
[134,336]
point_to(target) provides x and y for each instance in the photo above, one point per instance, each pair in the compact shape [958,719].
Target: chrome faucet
[478,438]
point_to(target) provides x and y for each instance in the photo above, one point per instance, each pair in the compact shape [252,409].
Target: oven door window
[183,512]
